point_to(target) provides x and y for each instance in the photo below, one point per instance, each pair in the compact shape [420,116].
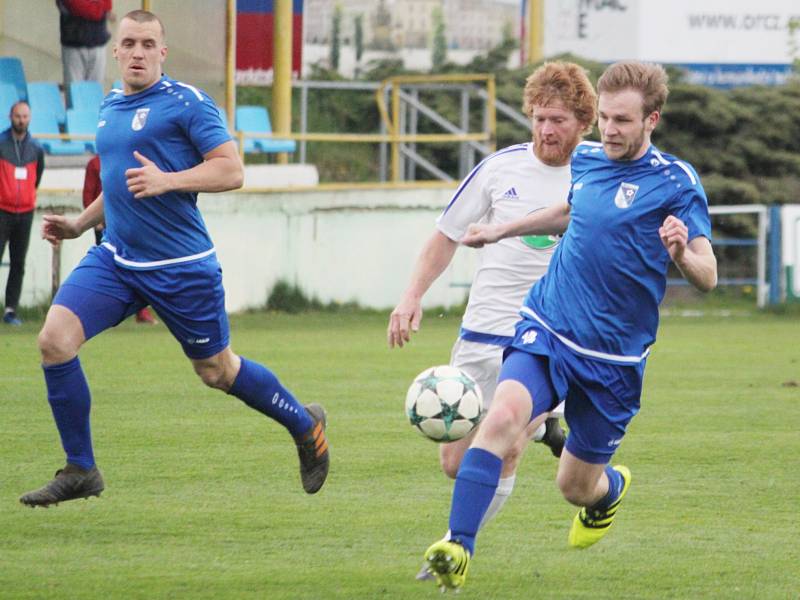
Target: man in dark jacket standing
[21,166]
[84,34]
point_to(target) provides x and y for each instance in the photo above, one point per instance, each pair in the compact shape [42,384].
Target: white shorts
[482,362]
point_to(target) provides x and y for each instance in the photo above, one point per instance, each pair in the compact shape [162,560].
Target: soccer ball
[444,403]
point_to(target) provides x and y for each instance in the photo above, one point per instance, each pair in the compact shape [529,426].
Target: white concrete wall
[337,246]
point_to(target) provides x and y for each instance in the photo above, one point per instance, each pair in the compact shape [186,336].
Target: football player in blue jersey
[588,324]
[508,184]
[161,142]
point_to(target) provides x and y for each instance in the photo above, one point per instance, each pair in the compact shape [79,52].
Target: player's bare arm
[220,171]
[60,227]
[695,260]
[433,260]
[548,221]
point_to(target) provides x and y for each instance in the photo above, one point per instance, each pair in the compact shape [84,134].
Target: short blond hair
[649,79]
[566,83]
[145,16]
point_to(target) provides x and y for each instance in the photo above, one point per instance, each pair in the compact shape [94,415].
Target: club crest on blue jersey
[139,119]
[625,194]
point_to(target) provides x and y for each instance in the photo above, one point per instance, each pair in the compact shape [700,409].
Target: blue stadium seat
[255,119]
[8,97]
[86,95]
[11,72]
[46,123]
[43,96]
[83,122]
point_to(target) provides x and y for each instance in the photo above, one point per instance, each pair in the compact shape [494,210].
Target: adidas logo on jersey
[511,194]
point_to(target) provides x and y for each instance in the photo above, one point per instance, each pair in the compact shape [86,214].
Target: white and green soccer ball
[444,403]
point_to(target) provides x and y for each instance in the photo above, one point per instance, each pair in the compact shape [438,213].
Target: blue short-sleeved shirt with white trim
[600,295]
[174,125]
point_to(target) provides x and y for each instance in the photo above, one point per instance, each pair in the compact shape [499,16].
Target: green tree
[439,53]
[794,44]
[336,35]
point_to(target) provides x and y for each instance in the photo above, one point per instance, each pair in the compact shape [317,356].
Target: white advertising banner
[674,32]
[790,250]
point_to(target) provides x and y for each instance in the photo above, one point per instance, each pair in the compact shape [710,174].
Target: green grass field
[203,498]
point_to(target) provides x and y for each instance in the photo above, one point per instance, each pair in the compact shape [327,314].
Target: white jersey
[505,186]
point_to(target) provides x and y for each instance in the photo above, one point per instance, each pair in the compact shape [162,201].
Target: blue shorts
[600,398]
[189,298]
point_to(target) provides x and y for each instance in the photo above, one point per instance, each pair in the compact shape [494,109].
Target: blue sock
[475,486]
[258,387]
[70,401]
[615,484]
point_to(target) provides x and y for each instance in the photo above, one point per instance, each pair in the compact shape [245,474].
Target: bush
[290,299]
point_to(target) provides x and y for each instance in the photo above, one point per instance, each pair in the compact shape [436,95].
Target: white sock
[501,494]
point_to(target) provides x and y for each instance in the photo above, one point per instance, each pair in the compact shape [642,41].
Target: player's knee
[450,460]
[212,375]
[502,421]
[54,347]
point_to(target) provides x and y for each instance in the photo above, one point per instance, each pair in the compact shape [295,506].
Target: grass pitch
[203,498]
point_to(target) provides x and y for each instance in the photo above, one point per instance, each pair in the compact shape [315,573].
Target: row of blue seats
[78,122]
[252,119]
[50,116]
[255,120]
[45,95]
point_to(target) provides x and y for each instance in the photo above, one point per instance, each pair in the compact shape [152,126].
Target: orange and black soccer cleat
[312,448]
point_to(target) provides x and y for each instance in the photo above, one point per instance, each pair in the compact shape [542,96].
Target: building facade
[397,24]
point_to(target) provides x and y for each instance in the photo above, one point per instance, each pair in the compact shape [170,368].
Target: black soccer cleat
[70,483]
[554,436]
[312,448]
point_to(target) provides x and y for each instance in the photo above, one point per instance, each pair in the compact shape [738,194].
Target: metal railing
[402,109]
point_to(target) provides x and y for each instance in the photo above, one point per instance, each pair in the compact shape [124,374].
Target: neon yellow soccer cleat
[591,525]
[448,562]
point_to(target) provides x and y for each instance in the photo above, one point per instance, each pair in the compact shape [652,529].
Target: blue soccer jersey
[174,125]
[601,293]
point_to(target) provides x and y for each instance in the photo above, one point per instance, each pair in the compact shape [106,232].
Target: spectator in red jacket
[21,166]
[92,187]
[84,35]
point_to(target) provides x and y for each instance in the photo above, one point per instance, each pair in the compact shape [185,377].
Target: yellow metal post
[491,110]
[230,64]
[146,6]
[282,72]
[395,131]
[535,31]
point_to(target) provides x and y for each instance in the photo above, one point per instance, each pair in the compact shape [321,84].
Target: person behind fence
[84,34]
[160,142]
[21,167]
[92,186]
[587,326]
